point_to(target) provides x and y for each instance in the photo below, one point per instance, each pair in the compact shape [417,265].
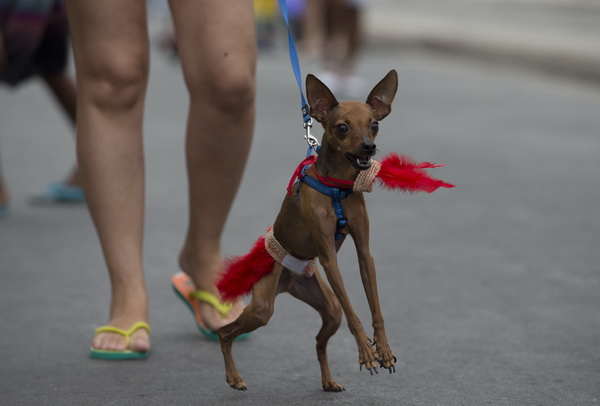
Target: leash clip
[312,141]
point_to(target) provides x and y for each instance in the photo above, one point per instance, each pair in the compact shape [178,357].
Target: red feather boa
[399,172]
[241,273]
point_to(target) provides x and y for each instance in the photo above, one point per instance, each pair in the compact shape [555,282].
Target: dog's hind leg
[316,293]
[255,315]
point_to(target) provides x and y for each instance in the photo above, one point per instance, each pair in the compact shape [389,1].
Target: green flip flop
[124,354]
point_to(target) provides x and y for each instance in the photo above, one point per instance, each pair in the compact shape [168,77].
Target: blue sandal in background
[3,209]
[58,192]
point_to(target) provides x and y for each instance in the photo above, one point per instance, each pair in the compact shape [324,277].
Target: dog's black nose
[369,147]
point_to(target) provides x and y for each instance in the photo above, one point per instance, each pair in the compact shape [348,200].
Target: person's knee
[116,85]
[231,93]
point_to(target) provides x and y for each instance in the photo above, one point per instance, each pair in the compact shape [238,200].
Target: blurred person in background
[34,43]
[332,35]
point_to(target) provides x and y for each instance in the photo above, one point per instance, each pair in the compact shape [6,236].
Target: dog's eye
[342,129]
[374,127]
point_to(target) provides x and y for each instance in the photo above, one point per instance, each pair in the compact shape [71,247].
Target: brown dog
[310,226]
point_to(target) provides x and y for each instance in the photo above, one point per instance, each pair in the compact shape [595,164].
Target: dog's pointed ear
[320,98]
[382,95]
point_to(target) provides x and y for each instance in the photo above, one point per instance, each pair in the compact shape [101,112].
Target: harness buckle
[312,141]
[342,222]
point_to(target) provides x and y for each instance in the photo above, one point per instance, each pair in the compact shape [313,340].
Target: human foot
[208,310]
[214,319]
[121,339]
[204,280]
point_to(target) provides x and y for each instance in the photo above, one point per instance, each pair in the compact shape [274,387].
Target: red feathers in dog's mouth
[400,172]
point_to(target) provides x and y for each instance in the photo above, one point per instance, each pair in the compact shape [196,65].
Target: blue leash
[335,193]
[294,60]
[313,143]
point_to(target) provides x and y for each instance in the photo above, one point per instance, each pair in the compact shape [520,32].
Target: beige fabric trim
[280,255]
[364,180]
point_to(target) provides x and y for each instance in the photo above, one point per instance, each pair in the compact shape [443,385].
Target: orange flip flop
[185,289]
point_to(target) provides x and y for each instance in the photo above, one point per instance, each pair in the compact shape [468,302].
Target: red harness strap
[330,182]
[298,172]
[333,182]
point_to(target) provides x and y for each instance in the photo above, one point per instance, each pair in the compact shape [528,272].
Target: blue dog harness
[336,194]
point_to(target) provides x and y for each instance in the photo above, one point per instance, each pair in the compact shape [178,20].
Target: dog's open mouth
[359,162]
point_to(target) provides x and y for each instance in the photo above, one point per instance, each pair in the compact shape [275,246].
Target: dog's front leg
[360,235]
[328,259]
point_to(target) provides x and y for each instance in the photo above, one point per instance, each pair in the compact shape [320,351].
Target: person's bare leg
[4,197]
[217,48]
[111,55]
[349,30]
[314,29]
[339,42]
[3,189]
[63,89]
[355,35]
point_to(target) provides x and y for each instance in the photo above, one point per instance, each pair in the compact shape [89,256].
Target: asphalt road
[489,290]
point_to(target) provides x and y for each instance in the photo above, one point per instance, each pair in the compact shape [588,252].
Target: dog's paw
[332,386]
[237,383]
[389,364]
[368,357]
[387,360]
[385,356]
[370,366]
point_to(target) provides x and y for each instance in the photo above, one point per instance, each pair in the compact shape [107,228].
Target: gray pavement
[489,290]
[556,36]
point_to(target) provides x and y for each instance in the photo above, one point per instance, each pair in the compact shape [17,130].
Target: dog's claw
[333,387]
[369,369]
[237,384]
[374,369]
[391,368]
[373,342]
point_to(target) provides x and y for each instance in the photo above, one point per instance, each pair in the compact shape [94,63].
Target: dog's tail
[242,272]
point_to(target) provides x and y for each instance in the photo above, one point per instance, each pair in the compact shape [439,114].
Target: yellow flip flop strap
[204,296]
[126,333]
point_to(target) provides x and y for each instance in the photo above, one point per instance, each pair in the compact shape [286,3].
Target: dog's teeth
[362,161]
